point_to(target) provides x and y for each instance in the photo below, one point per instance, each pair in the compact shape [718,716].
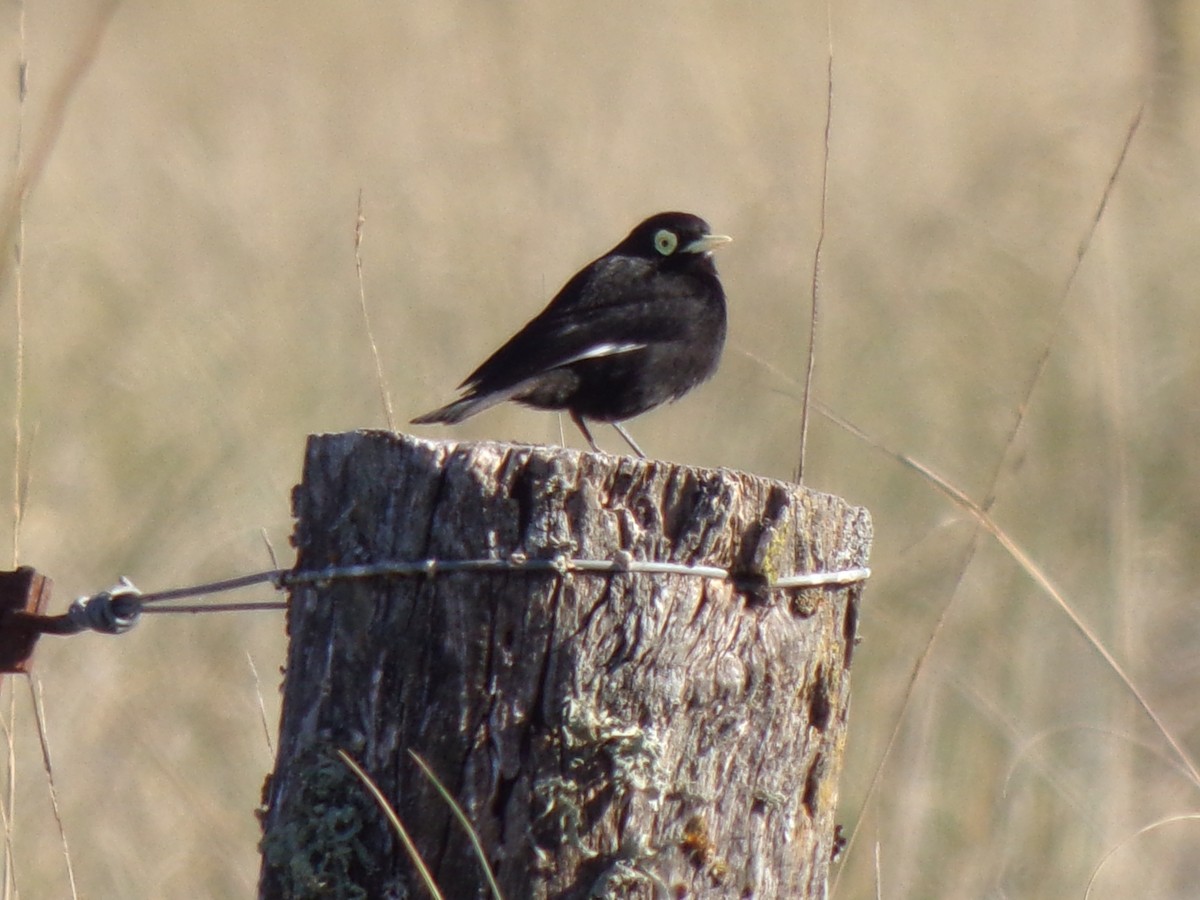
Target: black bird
[640,326]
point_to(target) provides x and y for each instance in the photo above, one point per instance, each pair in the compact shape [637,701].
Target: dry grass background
[191,314]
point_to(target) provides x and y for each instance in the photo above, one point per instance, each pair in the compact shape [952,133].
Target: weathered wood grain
[620,735]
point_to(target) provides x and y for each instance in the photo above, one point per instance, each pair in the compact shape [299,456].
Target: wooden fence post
[619,734]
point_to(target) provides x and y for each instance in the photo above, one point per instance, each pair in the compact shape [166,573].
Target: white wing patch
[599,350]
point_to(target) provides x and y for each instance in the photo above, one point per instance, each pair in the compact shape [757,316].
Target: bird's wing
[581,322]
[607,281]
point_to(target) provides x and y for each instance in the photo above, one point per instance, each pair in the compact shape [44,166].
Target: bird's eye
[665,242]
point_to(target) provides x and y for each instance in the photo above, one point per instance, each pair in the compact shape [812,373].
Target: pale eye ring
[665,241]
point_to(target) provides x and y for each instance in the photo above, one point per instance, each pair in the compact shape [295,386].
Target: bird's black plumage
[640,326]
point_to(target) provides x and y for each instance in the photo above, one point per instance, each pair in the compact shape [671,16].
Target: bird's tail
[463,408]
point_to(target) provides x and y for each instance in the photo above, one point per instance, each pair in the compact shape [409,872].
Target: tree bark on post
[608,734]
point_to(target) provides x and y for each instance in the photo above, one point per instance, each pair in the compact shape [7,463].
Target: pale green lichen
[604,753]
[315,842]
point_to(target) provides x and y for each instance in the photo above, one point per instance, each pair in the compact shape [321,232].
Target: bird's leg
[578,420]
[629,440]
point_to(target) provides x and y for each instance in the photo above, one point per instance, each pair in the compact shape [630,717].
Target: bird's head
[671,235]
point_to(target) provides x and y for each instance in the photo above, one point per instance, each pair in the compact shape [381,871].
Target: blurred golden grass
[191,313]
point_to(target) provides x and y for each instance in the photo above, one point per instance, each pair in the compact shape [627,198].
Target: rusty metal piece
[24,592]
